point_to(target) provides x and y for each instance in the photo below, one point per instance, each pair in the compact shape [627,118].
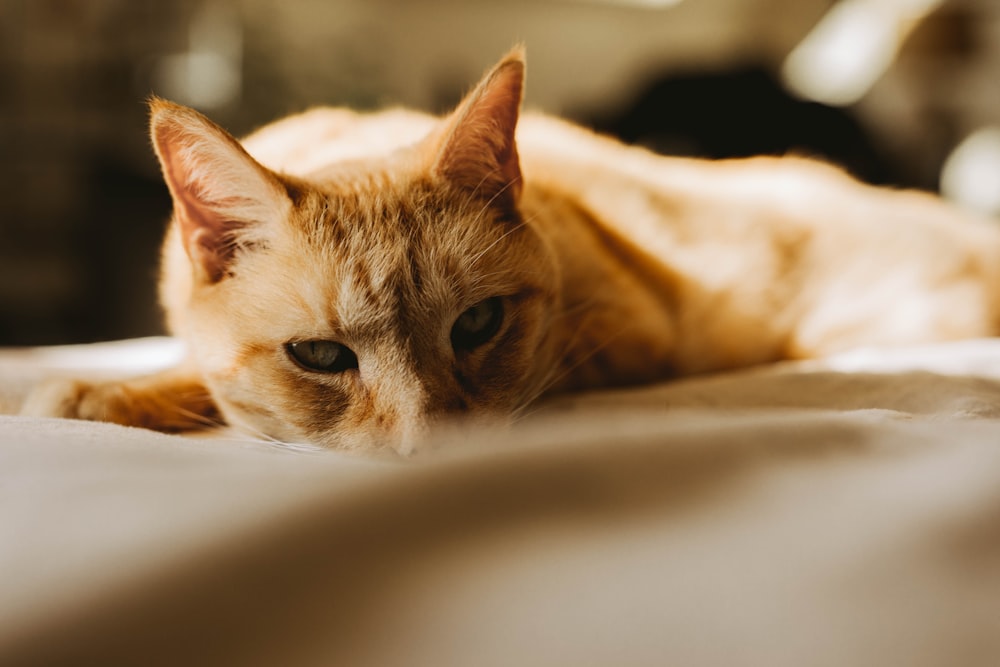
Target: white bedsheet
[844,512]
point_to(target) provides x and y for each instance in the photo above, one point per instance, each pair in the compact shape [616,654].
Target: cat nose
[422,422]
[411,437]
[416,407]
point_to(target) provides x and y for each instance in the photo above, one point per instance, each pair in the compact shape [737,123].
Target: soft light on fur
[614,266]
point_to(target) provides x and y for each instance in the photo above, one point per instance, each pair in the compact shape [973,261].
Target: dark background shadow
[84,207]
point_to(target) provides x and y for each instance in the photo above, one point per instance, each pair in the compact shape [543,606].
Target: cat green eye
[324,356]
[477,324]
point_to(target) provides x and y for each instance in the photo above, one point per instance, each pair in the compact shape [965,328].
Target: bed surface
[843,512]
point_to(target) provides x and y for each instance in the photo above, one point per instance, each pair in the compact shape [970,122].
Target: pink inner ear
[210,239]
[203,230]
[219,191]
[480,151]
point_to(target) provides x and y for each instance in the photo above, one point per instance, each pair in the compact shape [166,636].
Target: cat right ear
[222,197]
[477,149]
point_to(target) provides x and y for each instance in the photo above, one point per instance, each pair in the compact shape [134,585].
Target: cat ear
[222,197]
[478,151]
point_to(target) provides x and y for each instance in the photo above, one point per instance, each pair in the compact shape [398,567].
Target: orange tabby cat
[349,279]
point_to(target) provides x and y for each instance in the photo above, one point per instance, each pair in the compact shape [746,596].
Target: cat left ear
[223,198]
[478,151]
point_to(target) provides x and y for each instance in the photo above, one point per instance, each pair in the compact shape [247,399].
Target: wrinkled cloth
[838,512]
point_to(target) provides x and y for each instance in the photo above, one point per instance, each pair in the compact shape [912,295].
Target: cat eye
[477,324]
[324,356]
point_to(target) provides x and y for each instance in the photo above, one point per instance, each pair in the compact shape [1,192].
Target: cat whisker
[172,411]
[574,309]
[555,374]
[298,447]
[484,282]
[487,176]
[260,436]
[205,421]
[475,259]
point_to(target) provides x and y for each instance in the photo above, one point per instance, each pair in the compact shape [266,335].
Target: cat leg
[172,400]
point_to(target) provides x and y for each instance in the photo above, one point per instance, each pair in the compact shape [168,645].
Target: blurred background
[900,92]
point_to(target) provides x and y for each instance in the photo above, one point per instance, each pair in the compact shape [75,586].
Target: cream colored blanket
[837,513]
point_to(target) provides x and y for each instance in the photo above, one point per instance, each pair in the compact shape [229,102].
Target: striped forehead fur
[378,255]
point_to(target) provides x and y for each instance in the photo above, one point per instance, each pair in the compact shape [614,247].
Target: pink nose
[411,436]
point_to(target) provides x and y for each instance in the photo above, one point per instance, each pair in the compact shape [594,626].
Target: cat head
[358,308]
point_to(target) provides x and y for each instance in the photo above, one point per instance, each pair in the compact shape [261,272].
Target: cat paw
[171,401]
[76,399]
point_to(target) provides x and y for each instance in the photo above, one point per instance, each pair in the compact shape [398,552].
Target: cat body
[351,279]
